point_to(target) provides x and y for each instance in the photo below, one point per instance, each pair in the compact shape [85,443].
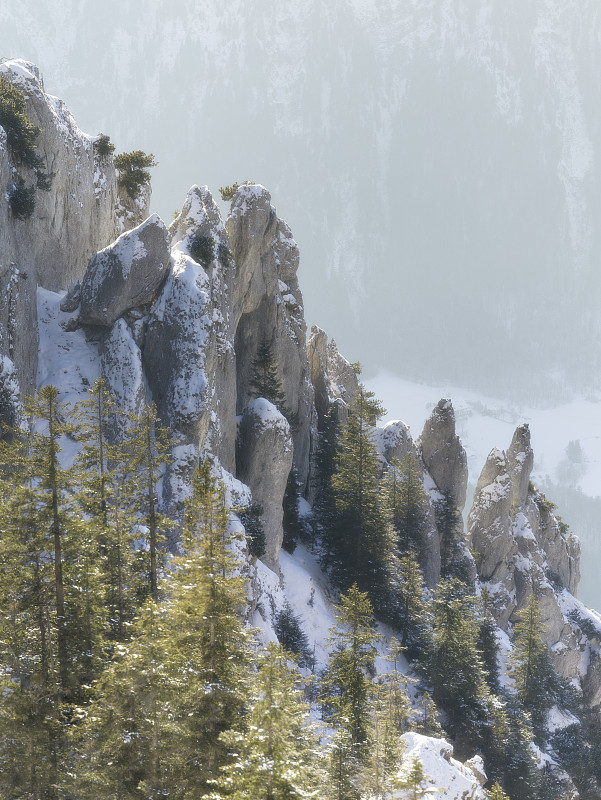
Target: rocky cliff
[177,316]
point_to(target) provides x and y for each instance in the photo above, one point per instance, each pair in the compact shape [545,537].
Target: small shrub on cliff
[227,192]
[202,249]
[21,133]
[22,199]
[133,170]
[103,145]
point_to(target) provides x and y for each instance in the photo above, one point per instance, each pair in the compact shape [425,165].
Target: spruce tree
[291,522]
[411,606]
[346,688]
[154,725]
[326,463]
[454,667]
[360,540]
[275,755]
[406,503]
[533,674]
[488,646]
[264,380]
[415,781]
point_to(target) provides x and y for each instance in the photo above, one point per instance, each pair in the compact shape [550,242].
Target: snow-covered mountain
[440,160]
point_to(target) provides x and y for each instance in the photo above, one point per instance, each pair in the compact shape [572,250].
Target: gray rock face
[268,306]
[332,376]
[394,441]
[125,275]
[264,462]
[71,221]
[443,454]
[188,348]
[72,299]
[121,364]
[521,548]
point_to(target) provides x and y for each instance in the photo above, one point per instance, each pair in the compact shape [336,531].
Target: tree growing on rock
[133,170]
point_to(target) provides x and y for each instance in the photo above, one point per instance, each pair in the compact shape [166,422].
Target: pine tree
[326,463]
[360,541]
[453,561]
[346,688]
[415,782]
[287,627]
[488,646]
[412,608]
[155,722]
[291,523]
[496,793]
[405,503]
[264,381]
[454,668]
[275,755]
[533,674]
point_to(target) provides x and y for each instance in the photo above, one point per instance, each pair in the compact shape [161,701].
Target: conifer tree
[454,667]
[346,689]
[533,674]
[291,523]
[415,782]
[405,502]
[146,453]
[361,542]
[275,755]
[412,608]
[488,646]
[496,793]
[264,381]
[155,722]
[326,462]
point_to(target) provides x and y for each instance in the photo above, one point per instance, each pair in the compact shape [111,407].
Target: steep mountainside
[178,315]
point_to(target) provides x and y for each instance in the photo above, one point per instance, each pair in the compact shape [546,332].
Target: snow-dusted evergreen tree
[154,725]
[275,754]
[454,667]
[414,782]
[361,543]
[405,502]
[412,610]
[533,674]
[346,687]
[488,646]
[264,380]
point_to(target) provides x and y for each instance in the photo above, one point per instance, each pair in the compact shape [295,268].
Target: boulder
[264,460]
[443,454]
[125,275]
[72,299]
[394,441]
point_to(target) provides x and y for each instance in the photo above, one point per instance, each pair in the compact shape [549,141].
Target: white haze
[437,160]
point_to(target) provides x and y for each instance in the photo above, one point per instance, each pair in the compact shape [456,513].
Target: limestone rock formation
[520,548]
[121,363]
[394,441]
[264,461]
[268,307]
[332,376]
[188,348]
[443,454]
[71,221]
[126,274]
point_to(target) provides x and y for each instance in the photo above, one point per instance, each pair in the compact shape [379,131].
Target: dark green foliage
[227,192]
[250,517]
[291,636]
[411,607]
[224,254]
[405,502]
[264,381]
[133,170]
[326,462]
[487,644]
[453,667]
[575,754]
[292,524]
[22,199]
[346,687]
[360,542]
[103,145]
[21,133]
[202,248]
[586,625]
[535,679]
[454,562]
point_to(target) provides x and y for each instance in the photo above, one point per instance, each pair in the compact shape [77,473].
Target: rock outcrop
[332,376]
[121,362]
[264,461]
[520,548]
[268,307]
[443,454]
[127,274]
[71,221]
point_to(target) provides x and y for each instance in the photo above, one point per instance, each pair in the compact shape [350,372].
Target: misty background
[437,160]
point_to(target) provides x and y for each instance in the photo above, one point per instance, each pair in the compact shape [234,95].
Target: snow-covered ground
[566,440]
